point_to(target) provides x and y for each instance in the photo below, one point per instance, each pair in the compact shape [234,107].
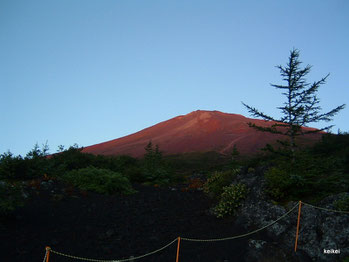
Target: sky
[87,71]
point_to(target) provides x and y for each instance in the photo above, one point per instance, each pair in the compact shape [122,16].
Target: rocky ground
[114,227]
[117,227]
[319,229]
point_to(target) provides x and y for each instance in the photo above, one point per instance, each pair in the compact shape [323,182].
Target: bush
[35,164]
[231,199]
[251,170]
[134,174]
[99,180]
[159,176]
[309,176]
[11,167]
[19,168]
[280,182]
[10,197]
[197,162]
[342,204]
[73,158]
[215,183]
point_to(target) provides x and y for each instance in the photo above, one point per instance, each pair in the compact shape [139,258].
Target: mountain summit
[198,131]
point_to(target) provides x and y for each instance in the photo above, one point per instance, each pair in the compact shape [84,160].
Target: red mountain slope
[198,131]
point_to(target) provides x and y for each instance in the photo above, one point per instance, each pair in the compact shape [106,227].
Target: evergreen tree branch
[257,113]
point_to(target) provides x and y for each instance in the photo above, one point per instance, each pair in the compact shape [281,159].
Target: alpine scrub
[231,199]
[102,181]
[217,181]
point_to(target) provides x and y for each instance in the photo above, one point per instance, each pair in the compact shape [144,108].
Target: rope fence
[178,240]
[326,209]
[243,235]
[113,260]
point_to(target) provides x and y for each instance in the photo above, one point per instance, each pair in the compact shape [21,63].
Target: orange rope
[299,217]
[179,241]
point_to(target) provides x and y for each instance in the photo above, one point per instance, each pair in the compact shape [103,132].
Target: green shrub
[35,164]
[308,176]
[278,182]
[342,204]
[19,168]
[251,170]
[99,180]
[11,167]
[197,162]
[283,183]
[73,158]
[134,174]
[215,183]
[230,200]
[10,198]
[157,176]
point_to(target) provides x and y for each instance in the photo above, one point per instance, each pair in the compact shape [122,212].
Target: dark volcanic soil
[115,227]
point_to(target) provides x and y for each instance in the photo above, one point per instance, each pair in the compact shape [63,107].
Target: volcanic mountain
[198,131]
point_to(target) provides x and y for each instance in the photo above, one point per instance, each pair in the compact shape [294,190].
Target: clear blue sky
[87,71]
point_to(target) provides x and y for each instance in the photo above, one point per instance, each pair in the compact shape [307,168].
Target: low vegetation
[101,174]
[342,204]
[99,180]
[316,172]
[219,186]
[216,182]
[197,162]
[154,170]
[230,200]
[10,197]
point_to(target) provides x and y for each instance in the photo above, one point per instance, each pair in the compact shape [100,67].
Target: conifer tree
[153,158]
[155,169]
[301,106]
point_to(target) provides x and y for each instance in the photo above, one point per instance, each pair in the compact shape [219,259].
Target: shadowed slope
[198,131]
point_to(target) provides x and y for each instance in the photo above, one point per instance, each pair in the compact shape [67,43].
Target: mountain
[198,131]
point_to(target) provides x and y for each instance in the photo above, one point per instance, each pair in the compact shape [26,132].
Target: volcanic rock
[320,229]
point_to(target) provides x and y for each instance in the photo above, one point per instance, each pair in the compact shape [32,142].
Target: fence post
[297,232]
[179,241]
[48,249]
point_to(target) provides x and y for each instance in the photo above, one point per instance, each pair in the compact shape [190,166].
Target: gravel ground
[115,227]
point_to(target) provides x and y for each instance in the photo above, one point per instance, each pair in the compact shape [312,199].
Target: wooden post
[297,232]
[179,241]
[47,254]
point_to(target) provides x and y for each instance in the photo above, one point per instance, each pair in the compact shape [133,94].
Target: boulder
[323,235]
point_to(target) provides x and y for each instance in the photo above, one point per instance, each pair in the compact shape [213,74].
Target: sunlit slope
[198,131]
